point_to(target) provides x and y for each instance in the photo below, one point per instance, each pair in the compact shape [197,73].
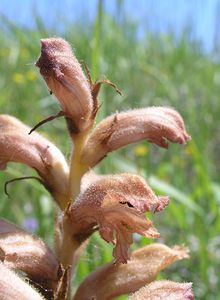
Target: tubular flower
[33,150]
[164,289]
[116,204]
[155,124]
[23,251]
[65,78]
[110,280]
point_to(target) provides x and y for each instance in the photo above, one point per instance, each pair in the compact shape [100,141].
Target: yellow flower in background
[188,150]
[141,150]
[31,75]
[18,78]
[4,51]
[24,52]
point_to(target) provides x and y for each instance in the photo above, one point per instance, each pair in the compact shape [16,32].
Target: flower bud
[155,124]
[65,78]
[35,151]
[111,281]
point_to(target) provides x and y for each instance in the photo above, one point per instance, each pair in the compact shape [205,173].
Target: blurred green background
[150,69]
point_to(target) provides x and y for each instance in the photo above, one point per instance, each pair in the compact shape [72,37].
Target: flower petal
[116,204]
[130,189]
[156,124]
[13,287]
[33,150]
[164,290]
[65,78]
[25,252]
[110,280]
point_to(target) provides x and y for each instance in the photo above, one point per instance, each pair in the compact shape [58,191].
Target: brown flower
[110,280]
[116,204]
[155,124]
[65,78]
[23,251]
[35,151]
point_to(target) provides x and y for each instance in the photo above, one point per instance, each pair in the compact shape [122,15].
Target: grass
[153,70]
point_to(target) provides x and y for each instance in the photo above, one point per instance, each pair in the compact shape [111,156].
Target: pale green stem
[77,168]
[68,245]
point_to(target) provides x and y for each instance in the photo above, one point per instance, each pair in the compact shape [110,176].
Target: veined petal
[116,204]
[13,287]
[65,78]
[33,150]
[110,280]
[25,252]
[164,290]
[155,124]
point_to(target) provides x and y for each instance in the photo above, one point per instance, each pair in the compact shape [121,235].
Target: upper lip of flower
[155,124]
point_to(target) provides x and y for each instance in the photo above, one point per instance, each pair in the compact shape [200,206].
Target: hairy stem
[66,244]
[69,245]
[77,169]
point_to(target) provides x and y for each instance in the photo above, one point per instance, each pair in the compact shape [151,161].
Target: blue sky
[153,15]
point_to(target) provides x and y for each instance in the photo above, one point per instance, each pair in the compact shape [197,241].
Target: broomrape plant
[114,205]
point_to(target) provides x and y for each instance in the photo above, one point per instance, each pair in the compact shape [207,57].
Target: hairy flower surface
[111,280]
[155,124]
[23,251]
[13,287]
[16,145]
[116,204]
[164,290]
[65,78]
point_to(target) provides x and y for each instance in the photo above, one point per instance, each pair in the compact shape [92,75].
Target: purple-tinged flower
[155,124]
[65,78]
[112,280]
[25,252]
[16,145]
[30,224]
[116,204]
